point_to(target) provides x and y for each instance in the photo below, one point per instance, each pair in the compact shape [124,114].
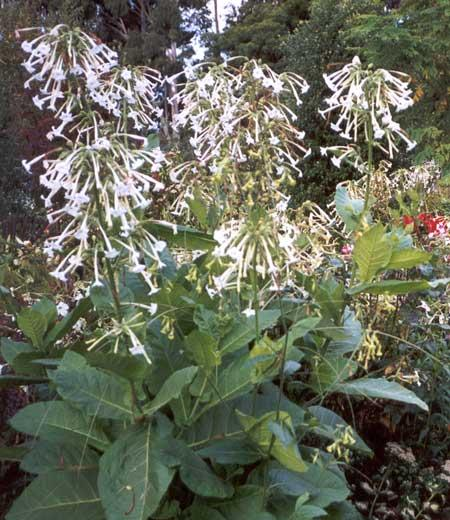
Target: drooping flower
[263,244]
[242,133]
[364,100]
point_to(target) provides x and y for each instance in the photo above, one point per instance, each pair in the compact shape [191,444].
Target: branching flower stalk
[364,100]
[104,168]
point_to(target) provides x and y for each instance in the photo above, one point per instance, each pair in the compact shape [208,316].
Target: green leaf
[407,258]
[196,474]
[397,286]
[181,236]
[372,252]
[63,327]
[267,431]
[25,364]
[14,454]
[198,207]
[57,495]
[95,392]
[244,331]
[246,504]
[329,295]
[233,381]
[331,370]
[329,422]
[383,389]
[10,349]
[197,511]
[203,349]
[33,324]
[47,308]
[348,209]
[300,328]
[133,476]
[231,451]
[171,389]
[59,422]
[347,337]
[10,380]
[323,485]
[46,456]
[129,367]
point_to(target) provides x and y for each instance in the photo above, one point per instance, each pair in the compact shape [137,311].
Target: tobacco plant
[172,399]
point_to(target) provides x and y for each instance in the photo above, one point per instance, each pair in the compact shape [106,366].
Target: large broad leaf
[329,422]
[347,337]
[46,456]
[171,389]
[407,258]
[47,308]
[323,485]
[13,454]
[247,504]
[331,370]
[383,389]
[348,209]
[33,324]
[198,510]
[134,477]
[203,349]
[95,392]
[196,474]
[231,451]
[329,295]
[10,349]
[57,495]
[129,367]
[234,380]
[245,330]
[398,286]
[182,236]
[59,422]
[64,326]
[222,420]
[300,328]
[277,435]
[372,252]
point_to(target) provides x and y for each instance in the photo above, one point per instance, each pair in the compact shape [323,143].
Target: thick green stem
[282,376]
[255,295]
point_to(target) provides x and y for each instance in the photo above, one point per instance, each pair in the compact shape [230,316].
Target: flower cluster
[263,244]
[107,173]
[243,137]
[364,99]
[435,226]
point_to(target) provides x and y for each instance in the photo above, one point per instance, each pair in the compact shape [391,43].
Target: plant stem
[369,166]
[256,309]
[255,296]
[109,270]
[282,376]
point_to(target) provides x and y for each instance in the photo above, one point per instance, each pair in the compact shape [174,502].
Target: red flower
[407,220]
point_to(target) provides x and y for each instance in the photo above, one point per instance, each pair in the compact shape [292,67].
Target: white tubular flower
[344,154]
[364,99]
[63,54]
[264,242]
[130,94]
[110,178]
[236,116]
